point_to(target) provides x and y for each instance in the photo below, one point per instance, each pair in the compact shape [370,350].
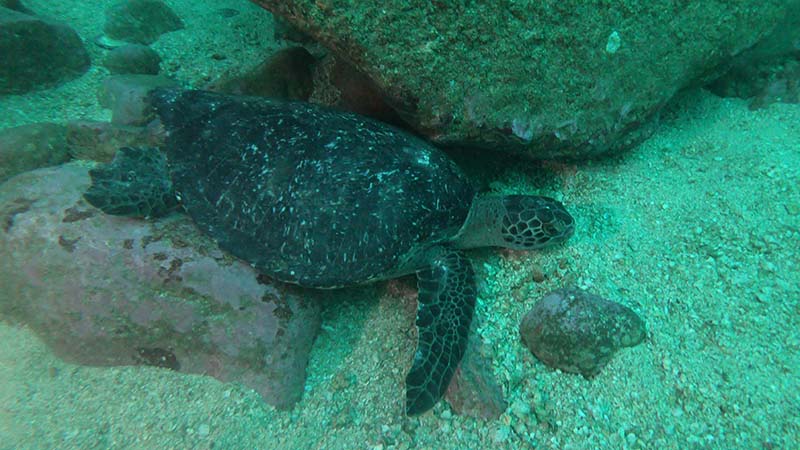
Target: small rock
[140,21]
[126,95]
[37,53]
[203,429]
[576,331]
[520,409]
[133,58]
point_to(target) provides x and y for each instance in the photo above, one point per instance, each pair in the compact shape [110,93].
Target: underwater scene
[330,224]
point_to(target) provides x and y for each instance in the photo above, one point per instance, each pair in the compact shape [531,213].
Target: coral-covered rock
[140,21]
[544,79]
[37,53]
[105,290]
[576,331]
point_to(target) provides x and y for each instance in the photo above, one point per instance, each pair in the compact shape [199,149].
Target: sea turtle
[325,199]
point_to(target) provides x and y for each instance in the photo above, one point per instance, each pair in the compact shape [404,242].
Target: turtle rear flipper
[136,183]
[446,301]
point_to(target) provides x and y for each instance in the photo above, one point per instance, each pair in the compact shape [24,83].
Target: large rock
[36,145]
[547,78]
[37,53]
[104,290]
[29,147]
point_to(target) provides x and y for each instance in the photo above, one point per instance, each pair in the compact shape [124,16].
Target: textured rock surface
[768,72]
[29,147]
[474,390]
[287,75]
[37,53]
[125,96]
[540,78]
[105,290]
[99,141]
[133,58]
[579,332]
[140,21]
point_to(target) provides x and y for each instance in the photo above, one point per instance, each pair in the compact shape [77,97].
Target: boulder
[37,53]
[544,79]
[140,21]
[104,290]
[577,331]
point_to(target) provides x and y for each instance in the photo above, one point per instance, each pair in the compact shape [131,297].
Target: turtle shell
[308,195]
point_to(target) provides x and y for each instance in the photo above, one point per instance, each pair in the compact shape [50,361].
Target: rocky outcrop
[544,79]
[104,290]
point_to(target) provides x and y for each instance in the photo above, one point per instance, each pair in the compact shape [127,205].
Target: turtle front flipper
[446,301]
[136,183]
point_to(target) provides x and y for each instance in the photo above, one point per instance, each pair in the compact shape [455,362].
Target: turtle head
[530,222]
[520,222]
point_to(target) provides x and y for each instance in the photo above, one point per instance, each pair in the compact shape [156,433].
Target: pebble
[520,409]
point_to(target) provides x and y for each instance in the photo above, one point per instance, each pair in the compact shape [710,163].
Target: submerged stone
[133,58]
[140,21]
[37,53]
[579,332]
[569,78]
[106,291]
